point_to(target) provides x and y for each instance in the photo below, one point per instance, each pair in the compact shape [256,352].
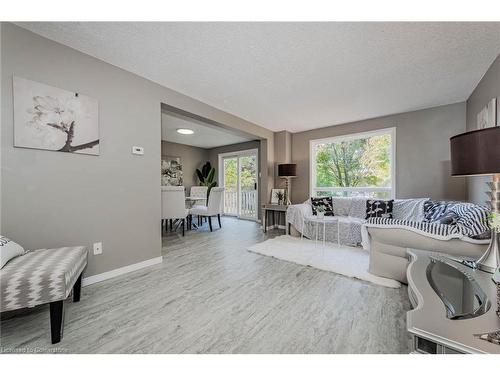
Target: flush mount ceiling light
[185,131]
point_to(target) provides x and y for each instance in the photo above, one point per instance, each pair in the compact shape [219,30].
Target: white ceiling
[297,76]
[205,135]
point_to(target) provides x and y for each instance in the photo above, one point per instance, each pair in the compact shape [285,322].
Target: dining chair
[173,205]
[199,192]
[214,207]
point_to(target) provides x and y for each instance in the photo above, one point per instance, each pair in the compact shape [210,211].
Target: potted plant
[281,197]
[320,212]
[207,176]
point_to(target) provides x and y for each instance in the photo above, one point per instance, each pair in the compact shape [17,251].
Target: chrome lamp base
[490,260]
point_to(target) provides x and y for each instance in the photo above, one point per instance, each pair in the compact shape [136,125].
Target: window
[361,164]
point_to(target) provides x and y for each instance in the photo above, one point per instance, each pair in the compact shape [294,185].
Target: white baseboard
[276,226]
[120,271]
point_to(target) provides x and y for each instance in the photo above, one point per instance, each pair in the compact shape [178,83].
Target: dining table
[192,201]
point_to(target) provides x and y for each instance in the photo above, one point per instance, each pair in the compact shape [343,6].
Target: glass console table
[453,306]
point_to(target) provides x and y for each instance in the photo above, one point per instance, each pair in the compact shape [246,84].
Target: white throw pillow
[341,206]
[8,250]
[409,209]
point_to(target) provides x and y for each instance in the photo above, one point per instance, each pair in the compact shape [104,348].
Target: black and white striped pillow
[472,219]
[434,211]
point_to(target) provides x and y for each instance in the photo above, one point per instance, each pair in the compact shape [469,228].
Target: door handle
[255,186]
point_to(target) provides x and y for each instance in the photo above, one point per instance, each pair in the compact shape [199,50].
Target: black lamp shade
[476,152]
[287,170]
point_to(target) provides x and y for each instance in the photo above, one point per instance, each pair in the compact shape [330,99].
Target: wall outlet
[136,150]
[97,248]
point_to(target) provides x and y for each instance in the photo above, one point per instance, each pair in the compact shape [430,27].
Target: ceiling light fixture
[185,131]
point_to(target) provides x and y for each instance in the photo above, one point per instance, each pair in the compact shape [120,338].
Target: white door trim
[238,154]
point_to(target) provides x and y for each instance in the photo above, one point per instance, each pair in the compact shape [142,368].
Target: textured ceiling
[205,135]
[297,76]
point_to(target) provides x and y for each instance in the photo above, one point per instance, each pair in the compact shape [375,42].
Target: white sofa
[387,244]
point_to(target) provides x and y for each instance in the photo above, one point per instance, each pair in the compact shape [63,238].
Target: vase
[321,215]
[490,260]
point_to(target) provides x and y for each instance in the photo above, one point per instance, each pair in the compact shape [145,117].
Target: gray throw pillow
[8,250]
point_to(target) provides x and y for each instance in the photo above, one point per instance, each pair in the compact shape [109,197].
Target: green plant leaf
[200,176]
[206,168]
[211,175]
[210,186]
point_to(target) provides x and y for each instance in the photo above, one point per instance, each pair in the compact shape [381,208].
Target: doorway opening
[191,149]
[239,175]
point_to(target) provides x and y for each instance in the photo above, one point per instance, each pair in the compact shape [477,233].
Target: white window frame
[349,137]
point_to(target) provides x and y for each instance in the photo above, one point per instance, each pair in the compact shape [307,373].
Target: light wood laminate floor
[212,296]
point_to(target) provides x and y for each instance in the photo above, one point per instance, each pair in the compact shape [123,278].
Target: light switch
[137,150]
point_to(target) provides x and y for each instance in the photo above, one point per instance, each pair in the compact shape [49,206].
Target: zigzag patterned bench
[43,276]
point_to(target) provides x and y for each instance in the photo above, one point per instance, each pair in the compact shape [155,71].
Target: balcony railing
[248,203]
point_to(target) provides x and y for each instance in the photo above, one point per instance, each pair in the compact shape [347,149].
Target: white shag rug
[344,260]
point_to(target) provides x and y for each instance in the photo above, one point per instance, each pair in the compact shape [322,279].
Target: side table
[266,208]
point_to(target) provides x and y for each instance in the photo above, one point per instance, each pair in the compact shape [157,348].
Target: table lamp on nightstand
[477,153]
[287,171]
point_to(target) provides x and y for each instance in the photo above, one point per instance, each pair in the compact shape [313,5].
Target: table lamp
[287,171]
[478,153]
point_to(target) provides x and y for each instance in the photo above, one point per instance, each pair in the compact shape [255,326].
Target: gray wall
[487,89]
[422,151]
[191,157]
[52,199]
[214,160]
[282,154]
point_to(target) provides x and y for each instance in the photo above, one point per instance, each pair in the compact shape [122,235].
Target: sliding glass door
[239,176]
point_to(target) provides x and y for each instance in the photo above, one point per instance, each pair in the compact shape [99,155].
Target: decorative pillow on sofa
[379,208]
[434,210]
[472,219]
[341,206]
[357,208]
[449,218]
[409,209]
[325,202]
[8,250]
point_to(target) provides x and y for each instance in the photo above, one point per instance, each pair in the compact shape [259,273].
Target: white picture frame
[486,118]
[274,198]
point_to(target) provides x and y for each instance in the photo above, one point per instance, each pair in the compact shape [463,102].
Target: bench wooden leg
[56,320]
[77,289]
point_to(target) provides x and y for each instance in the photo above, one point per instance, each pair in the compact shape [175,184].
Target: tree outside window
[355,166]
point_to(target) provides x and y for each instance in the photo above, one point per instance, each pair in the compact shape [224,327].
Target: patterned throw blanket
[445,221]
